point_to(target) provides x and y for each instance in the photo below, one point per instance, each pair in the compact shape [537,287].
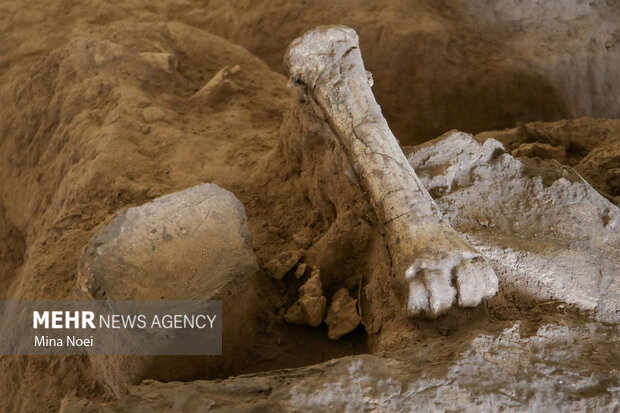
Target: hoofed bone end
[437,265]
[308,55]
[476,281]
[432,292]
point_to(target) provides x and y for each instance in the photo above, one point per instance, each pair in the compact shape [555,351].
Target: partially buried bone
[428,256]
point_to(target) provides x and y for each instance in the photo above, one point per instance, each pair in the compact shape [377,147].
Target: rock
[562,366]
[313,286]
[188,245]
[279,266]
[342,316]
[192,244]
[553,237]
[310,308]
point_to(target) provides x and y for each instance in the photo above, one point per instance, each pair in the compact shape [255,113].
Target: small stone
[278,267]
[307,311]
[313,286]
[310,308]
[234,70]
[342,316]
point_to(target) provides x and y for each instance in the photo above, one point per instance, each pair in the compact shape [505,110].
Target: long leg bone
[438,266]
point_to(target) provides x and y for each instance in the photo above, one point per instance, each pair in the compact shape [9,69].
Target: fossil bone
[438,267]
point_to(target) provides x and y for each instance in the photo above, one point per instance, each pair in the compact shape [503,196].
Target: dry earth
[108,105]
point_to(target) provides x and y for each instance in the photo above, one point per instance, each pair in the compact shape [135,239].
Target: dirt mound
[466,65]
[109,120]
[510,353]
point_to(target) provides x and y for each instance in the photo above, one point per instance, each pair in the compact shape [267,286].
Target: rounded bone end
[308,55]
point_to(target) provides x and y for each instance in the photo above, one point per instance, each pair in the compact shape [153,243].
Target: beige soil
[96,117]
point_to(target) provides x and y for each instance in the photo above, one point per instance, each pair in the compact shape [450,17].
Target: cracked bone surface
[437,266]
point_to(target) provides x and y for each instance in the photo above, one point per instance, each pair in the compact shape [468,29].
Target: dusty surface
[519,366]
[468,64]
[529,348]
[109,105]
[549,235]
[115,130]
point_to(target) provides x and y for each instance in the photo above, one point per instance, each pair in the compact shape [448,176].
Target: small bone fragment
[436,265]
[220,86]
[342,316]
[285,261]
[163,61]
[310,308]
[300,271]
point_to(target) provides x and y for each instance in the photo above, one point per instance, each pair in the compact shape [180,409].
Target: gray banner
[83,327]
